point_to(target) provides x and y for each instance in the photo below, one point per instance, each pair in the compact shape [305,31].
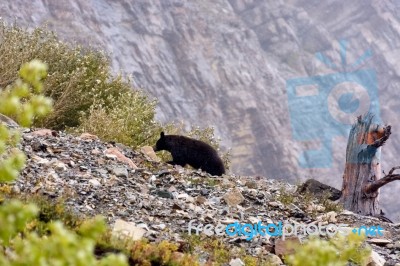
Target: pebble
[60,167]
[159,226]
[164,194]
[204,192]
[379,241]
[251,184]
[95,182]
[236,262]
[120,172]
[111,156]
[233,197]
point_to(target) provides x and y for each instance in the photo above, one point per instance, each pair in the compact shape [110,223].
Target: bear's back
[196,153]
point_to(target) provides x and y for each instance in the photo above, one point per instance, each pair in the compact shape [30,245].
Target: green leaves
[32,73]
[127,117]
[337,251]
[61,247]
[13,217]
[11,166]
[93,228]
[23,101]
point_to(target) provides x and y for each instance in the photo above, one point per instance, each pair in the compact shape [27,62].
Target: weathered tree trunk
[362,174]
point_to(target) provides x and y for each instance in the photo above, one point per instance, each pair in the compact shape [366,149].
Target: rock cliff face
[226,64]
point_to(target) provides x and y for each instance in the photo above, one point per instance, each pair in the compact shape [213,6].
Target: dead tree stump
[362,174]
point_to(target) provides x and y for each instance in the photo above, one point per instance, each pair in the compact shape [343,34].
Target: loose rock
[233,197]
[127,229]
[120,172]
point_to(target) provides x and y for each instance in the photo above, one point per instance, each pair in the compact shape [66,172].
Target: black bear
[196,153]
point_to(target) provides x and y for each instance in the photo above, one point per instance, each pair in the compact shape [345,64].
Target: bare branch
[374,186]
[393,169]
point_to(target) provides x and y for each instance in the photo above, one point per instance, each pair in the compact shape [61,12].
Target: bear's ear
[162,134]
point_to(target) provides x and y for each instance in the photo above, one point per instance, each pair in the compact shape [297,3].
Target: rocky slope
[153,200]
[225,63]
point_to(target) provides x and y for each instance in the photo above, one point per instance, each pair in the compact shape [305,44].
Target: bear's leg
[177,159]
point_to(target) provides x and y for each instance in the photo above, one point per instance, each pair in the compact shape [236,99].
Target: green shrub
[163,253]
[86,95]
[285,196]
[22,101]
[48,210]
[127,118]
[338,251]
[14,216]
[61,247]
[76,74]
[221,254]
[329,204]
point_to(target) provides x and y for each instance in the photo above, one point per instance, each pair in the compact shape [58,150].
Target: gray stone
[95,182]
[127,229]
[233,197]
[120,171]
[165,194]
[379,241]
[236,262]
[319,189]
[204,192]
[148,151]
[251,184]
[375,259]
[60,167]
[8,121]
[273,260]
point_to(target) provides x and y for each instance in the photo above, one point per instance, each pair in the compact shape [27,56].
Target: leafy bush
[76,74]
[62,247]
[22,102]
[163,253]
[338,251]
[127,118]
[217,253]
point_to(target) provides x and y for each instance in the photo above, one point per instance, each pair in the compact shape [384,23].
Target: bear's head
[161,143]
